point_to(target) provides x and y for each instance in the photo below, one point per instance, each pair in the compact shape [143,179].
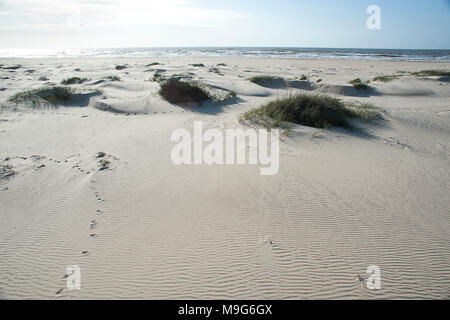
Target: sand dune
[141,227]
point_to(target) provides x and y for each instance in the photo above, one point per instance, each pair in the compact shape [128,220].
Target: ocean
[292,53]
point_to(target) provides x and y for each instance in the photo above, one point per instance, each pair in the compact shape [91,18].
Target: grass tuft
[359,85]
[385,78]
[43,96]
[197,65]
[180,92]
[73,80]
[364,111]
[113,78]
[121,67]
[318,111]
[431,73]
[262,79]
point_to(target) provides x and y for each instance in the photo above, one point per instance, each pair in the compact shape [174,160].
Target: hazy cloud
[50,14]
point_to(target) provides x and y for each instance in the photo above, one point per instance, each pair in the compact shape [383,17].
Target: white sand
[341,201]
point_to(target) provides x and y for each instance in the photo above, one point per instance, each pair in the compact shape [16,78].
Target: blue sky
[293,23]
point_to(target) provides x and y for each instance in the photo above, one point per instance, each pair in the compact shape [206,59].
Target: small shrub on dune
[73,80]
[304,77]
[121,67]
[180,92]
[318,111]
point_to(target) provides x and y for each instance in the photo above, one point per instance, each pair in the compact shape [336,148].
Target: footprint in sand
[93,224]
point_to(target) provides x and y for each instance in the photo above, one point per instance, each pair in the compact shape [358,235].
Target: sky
[41,24]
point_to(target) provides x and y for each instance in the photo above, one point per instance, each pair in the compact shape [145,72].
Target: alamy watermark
[73,277]
[227,148]
[373,281]
[374,20]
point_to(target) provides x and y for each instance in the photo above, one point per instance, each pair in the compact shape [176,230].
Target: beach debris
[41,166]
[59,291]
[84,252]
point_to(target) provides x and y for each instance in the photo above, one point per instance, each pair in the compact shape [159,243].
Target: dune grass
[431,73]
[121,67]
[180,92]
[359,85]
[153,64]
[385,78]
[262,79]
[197,65]
[73,80]
[364,111]
[303,77]
[113,78]
[158,77]
[43,96]
[319,111]
[221,65]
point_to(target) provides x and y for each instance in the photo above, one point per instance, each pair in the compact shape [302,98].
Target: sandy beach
[141,227]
